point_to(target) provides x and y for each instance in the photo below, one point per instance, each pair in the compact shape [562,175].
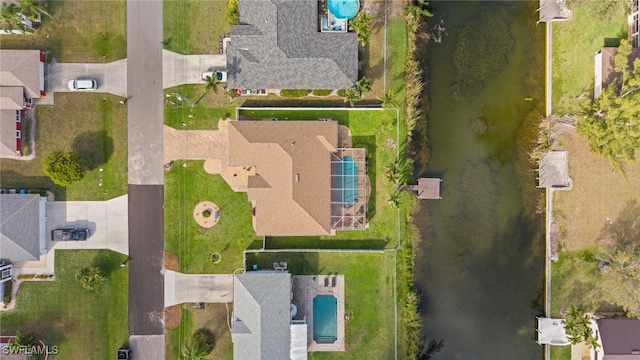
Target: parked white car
[83,85]
[219,74]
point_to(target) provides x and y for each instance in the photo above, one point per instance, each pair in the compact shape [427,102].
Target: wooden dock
[427,188]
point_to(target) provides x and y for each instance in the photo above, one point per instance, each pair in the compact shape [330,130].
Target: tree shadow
[93,148]
[625,229]
[109,263]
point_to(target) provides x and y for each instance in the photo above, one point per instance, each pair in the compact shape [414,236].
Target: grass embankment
[185,187]
[93,128]
[574,44]
[368,297]
[78,31]
[194,27]
[83,324]
[201,116]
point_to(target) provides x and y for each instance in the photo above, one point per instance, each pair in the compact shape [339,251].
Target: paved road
[146,251]
[106,220]
[187,69]
[111,77]
[182,288]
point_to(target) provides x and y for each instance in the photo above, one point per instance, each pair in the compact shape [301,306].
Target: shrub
[63,168]
[233,15]
[321,92]
[343,92]
[8,286]
[294,93]
[90,277]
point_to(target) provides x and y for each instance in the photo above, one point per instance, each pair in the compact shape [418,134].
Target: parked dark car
[74,234]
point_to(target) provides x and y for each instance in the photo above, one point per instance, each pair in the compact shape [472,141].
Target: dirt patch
[396,7]
[171,261]
[172,316]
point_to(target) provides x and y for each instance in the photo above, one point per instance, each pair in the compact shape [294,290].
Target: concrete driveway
[106,220]
[182,288]
[111,77]
[181,69]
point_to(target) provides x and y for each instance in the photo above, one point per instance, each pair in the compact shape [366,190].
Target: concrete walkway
[187,69]
[182,288]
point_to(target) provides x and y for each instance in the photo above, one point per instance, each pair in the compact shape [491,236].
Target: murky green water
[478,265]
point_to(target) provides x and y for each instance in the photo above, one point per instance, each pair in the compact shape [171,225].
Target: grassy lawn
[83,324]
[203,116]
[373,55]
[561,352]
[573,277]
[78,31]
[598,194]
[185,187]
[368,297]
[574,44]
[95,129]
[213,318]
[374,130]
[194,26]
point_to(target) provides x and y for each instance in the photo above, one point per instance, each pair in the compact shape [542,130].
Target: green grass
[561,352]
[374,130]
[368,297]
[83,324]
[574,44]
[293,93]
[203,116]
[95,129]
[185,187]
[319,92]
[78,31]
[573,279]
[397,52]
[194,27]
[213,318]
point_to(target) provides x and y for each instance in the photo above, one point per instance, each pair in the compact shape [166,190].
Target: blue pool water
[344,9]
[347,181]
[325,319]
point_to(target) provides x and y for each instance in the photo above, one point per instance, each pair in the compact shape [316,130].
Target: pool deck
[305,288]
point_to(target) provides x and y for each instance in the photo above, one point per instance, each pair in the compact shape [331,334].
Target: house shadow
[306,263]
[369,142]
[93,148]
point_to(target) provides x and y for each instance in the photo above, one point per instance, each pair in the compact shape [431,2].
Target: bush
[294,93]
[63,168]
[321,92]
[343,92]
[233,15]
[90,277]
[8,286]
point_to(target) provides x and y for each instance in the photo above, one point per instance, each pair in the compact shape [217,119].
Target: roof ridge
[18,210]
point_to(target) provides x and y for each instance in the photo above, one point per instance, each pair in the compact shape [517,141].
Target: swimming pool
[344,9]
[347,181]
[325,319]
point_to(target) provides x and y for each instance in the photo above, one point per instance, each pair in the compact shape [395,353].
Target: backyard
[81,323]
[575,43]
[368,297]
[94,127]
[185,187]
[194,27]
[78,31]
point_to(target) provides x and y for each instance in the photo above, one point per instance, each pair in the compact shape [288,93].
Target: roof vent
[297,177]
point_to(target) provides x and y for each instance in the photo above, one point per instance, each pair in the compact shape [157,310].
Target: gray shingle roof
[261,315]
[20,227]
[278,46]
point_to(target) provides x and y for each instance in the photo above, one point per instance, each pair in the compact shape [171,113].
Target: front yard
[95,128]
[194,27]
[83,324]
[78,31]
[201,116]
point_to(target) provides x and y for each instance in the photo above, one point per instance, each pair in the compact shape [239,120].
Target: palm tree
[90,277]
[201,345]
[418,8]
[32,9]
[10,18]
[212,84]
[394,199]
[361,25]
[20,341]
[363,85]
[351,95]
[389,100]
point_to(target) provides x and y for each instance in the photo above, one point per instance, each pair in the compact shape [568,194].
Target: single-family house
[22,226]
[634,19]
[304,184]
[619,339]
[262,327]
[21,81]
[278,45]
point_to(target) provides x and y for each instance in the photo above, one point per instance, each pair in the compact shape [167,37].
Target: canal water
[479,262]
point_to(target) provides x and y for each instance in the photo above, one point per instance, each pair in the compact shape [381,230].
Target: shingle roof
[8,145]
[20,227]
[620,338]
[292,186]
[261,315]
[278,46]
[21,68]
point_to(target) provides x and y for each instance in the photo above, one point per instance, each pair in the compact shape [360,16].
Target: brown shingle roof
[292,185]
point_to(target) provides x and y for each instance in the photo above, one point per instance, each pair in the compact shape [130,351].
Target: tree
[621,276]
[363,85]
[610,123]
[389,100]
[212,84]
[63,167]
[201,345]
[19,342]
[418,8]
[233,15]
[10,18]
[351,95]
[90,277]
[577,325]
[361,25]
[32,9]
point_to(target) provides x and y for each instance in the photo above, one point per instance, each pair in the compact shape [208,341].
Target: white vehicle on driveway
[83,85]
[219,74]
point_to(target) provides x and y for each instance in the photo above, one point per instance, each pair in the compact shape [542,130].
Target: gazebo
[551,332]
